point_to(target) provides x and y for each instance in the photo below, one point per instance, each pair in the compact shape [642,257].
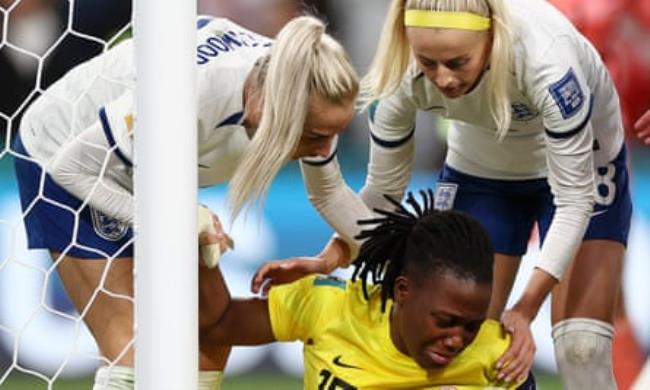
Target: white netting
[42,337]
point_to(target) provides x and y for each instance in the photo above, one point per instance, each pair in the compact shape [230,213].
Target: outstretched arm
[244,321]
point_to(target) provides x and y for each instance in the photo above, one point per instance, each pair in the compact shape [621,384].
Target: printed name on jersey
[221,42]
[522,113]
[445,196]
[107,227]
[568,94]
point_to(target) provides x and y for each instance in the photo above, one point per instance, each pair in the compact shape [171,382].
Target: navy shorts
[508,209]
[50,219]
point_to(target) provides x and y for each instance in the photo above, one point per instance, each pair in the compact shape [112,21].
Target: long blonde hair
[304,61]
[393,54]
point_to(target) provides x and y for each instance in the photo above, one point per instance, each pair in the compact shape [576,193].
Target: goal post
[166,270]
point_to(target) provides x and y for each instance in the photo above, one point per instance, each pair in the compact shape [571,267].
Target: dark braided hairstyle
[421,243]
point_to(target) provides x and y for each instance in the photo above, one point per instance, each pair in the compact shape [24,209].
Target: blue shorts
[50,218]
[508,209]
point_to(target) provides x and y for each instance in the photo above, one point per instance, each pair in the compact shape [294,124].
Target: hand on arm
[642,126]
[213,241]
[335,254]
[517,361]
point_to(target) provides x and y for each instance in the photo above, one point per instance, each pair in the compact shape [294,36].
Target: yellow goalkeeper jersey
[347,342]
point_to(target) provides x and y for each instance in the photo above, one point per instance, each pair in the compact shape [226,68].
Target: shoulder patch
[568,94]
[332,281]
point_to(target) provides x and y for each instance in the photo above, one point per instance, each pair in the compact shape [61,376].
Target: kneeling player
[414,317]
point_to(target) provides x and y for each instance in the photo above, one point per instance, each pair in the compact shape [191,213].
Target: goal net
[42,337]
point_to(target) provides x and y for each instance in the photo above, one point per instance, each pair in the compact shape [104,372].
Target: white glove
[210,252]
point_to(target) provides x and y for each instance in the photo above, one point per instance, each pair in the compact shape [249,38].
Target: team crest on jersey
[522,113]
[329,280]
[107,227]
[568,94]
[445,196]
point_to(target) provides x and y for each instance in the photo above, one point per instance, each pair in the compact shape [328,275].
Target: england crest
[107,227]
[521,112]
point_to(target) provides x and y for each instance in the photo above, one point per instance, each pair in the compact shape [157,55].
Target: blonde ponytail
[391,59]
[304,61]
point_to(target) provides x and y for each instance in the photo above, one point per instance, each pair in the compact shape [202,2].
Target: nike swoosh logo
[337,361]
[204,166]
[597,213]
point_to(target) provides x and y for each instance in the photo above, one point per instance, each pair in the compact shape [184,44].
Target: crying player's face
[438,316]
[324,122]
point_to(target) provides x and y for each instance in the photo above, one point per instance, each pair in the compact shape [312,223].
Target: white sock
[210,380]
[114,378]
[583,351]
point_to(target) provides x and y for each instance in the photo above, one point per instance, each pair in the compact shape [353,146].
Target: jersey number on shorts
[329,382]
[605,185]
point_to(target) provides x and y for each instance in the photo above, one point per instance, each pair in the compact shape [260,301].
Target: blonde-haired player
[261,104]
[536,137]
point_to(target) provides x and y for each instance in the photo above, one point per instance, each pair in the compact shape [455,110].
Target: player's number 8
[605,186]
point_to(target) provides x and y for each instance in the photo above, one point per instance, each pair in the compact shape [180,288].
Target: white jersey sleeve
[96,164]
[79,130]
[561,92]
[392,123]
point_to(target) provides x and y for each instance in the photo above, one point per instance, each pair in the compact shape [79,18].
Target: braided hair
[419,243]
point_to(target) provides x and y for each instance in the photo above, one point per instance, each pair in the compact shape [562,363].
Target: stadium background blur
[288,226]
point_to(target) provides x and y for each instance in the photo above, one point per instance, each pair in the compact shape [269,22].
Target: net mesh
[42,336]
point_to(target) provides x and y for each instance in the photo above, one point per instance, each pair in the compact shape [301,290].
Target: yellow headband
[441,19]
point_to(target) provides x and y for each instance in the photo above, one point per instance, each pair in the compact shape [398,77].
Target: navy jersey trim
[323,162]
[392,144]
[234,119]
[111,140]
[583,124]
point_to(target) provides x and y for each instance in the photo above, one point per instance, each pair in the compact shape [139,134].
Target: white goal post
[166,272]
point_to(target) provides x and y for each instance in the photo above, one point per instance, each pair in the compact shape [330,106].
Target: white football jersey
[94,103]
[565,119]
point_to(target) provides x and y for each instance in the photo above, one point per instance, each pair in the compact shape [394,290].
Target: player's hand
[516,362]
[213,240]
[642,126]
[276,272]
